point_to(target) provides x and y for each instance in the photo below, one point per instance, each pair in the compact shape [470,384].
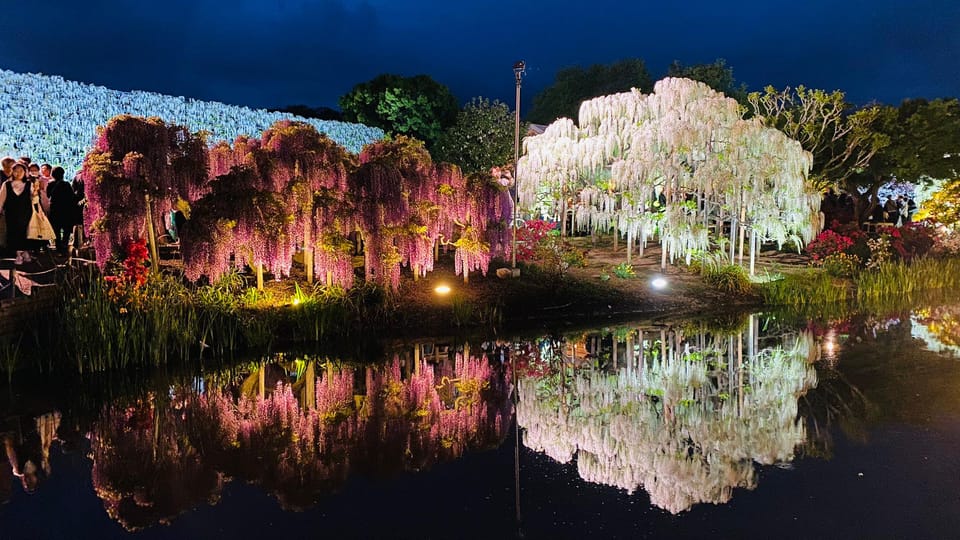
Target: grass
[813,291]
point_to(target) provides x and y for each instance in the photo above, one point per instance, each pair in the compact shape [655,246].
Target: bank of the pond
[101,325]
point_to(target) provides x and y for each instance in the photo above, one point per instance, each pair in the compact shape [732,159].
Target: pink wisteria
[257,202]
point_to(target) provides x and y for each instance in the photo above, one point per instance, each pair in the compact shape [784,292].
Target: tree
[137,170]
[717,75]
[574,85]
[684,144]
[841,140]
[922,141]
[482,137]
[417,106]
[944,206]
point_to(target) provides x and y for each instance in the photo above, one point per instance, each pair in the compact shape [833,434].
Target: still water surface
[762,428]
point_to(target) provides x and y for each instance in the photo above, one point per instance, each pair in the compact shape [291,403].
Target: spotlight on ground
[442,290]
[658,282]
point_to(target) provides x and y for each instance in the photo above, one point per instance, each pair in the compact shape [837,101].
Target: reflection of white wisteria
[686,427]
[55,120]
[938,328]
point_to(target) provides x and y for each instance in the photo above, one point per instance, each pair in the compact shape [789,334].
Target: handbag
[39,227]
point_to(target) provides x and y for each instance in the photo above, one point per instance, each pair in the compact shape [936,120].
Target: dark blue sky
[279,52]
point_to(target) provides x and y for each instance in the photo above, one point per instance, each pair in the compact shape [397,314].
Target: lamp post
[519,69]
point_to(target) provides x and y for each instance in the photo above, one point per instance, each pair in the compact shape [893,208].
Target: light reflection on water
[681,414]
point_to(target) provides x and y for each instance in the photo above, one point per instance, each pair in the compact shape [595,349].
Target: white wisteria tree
[681,163]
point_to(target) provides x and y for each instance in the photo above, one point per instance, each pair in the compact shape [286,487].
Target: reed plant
[898,279]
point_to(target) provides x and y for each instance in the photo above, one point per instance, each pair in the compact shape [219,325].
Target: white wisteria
[677,163]
[686,426]
[55,120]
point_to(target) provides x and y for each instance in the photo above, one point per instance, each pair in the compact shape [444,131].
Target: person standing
[16,203]
[63,208]
[45,178]
[6,168]
[80,198]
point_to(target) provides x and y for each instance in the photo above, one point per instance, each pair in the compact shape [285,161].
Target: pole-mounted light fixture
[519,69]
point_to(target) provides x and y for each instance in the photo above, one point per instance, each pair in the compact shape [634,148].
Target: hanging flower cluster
[669,162]
[138,163]
[257,202]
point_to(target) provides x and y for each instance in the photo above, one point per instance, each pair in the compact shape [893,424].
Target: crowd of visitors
[895,210]
[42,211]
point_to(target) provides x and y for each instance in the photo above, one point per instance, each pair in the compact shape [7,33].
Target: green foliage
[924,137]
[901,279]
[729,278]
[573,85]
[842,141]
[481,138]
[812,287]
[415,106]
[624,271]
[841,265]
[717,75]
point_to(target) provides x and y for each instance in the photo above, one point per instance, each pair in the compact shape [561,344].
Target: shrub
[530,236]
[624,271]
[912,240]
[556,255]
[730,278]
[828,243]
[841,265]
[879,251]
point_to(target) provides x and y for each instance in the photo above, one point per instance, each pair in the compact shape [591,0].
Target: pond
[760,426]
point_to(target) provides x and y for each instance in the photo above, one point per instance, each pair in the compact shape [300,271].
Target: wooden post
[329,279]
[616,236]
[308,253]
[259,276]
[629,246]
[416,272]
[743,232]
[262,381]
[152,238]
[663,253]
[310,385]
[753,255]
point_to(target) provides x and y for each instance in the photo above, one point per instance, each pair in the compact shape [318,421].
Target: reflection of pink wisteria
[156,458]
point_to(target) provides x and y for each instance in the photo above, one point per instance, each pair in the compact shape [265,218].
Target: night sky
[272,53]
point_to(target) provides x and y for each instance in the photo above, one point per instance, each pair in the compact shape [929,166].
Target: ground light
[442,289]
[658,282]
[296,301]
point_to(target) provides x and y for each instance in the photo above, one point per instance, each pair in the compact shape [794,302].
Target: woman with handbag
[16,203]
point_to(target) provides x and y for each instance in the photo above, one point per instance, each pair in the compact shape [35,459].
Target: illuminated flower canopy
[685,143]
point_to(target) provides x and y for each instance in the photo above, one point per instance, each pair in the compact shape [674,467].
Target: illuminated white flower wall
[54,120]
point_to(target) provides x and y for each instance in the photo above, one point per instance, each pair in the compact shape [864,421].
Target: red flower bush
[828,243]
[530,236]
[912,240]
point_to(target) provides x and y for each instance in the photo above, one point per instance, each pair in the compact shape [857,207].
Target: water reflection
[939,328]
[165,453]
[682,415]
